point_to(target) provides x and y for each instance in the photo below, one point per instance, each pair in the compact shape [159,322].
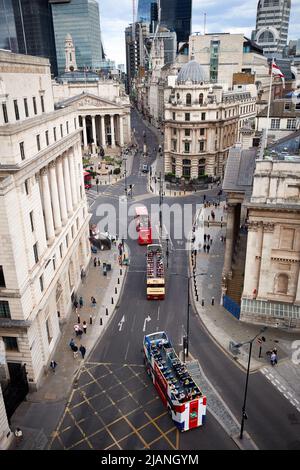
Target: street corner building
[44,221]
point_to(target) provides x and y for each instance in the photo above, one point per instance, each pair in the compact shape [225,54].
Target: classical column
[121,131]
[94,135]
[67,185]
[253,258]
[112,131]
[47,206]
[61,191]
[74,181]
[84,132]
[54,197]
[229,239]
[103,140]
[266,276]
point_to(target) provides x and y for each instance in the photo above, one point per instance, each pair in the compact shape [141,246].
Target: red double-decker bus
[143,225]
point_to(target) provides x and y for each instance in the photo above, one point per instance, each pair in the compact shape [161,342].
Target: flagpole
[269,103]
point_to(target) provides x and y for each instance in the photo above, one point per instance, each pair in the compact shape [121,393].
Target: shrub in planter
[117,171]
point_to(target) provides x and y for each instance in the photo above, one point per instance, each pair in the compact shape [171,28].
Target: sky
[235,16]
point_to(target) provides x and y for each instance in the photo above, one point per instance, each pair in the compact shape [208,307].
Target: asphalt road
[273,422]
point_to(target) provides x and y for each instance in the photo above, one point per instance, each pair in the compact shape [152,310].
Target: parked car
[145,169]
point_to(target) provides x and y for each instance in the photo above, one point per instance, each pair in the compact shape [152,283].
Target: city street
[114,405]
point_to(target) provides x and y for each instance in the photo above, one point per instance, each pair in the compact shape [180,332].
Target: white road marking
[120,324]
[127,351]
[147,319]
[158,312]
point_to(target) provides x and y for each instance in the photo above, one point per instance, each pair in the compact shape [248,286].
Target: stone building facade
[202,122]
[271,292]
[44,221]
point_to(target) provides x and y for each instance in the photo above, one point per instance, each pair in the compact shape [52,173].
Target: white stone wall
[5,433]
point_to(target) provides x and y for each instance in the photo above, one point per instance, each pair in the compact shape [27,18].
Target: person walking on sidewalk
[82,350]
[99,262]
[273,358]
[72,343]
[53,365]
[19,436]
[75,350]
[204,248]
[93,301]
[208,237]
[84,326]
[210,241]
[80,302]
[205,237]
[95,262]
[208,248]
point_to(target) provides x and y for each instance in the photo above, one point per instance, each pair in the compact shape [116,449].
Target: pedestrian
[208,237]
[75,350]
[204,248]
[82,350]
[72,343]
[75,304]
[76,329]
[99,262]
[95,262]
[19,436]
[205,237]
[210,241]
[273,359]
[53,365]
[80,330]
[208,248]
[204,197]
[84,326]
[80,302]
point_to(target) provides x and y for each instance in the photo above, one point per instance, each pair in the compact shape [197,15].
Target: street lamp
[125,172]
[239,345]
[188,309]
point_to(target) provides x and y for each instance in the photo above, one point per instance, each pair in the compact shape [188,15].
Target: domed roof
[191,72]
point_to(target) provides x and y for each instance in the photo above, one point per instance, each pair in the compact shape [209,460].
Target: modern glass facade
[8,34]
[34,29]
[146,10]
[176,15]
[81,19]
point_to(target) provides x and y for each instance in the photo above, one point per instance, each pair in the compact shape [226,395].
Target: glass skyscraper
[8,34]
[81,19]
[176,15]
[144,10]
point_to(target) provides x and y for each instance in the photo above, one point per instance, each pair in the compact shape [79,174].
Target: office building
[135,36]
[272,24]
[176,15]
[8,33]
[80,19]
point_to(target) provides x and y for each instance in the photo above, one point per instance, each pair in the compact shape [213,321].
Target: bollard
[78,319]
[118,280]
[106,311]
[112,300]
[116,290]
[91,320]
[202,302]
[213,301]
[101,323]
[120,272]
[197,298]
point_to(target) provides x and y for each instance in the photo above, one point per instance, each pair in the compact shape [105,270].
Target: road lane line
[127,351]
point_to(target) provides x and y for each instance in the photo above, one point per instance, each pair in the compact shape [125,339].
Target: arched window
[281,284]
[266,36]
[188,99]
[201,99]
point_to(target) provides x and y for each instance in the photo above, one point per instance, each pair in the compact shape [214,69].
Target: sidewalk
[38,416]
[224,327]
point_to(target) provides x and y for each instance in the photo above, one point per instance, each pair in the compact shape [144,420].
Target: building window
[203,115]
[275,123]
[202,131]
[186,168]
[67,124]
[22,152]
[201,167]
[186,147]
[77,223]
[61,250]
[31,221]
[201,146]
[47,137]
[42,104]
[72,231]
[4,309]
[214,60]
[187,132]
[54,263]
[26,187]
[201,99]
[61,130]
[188,99]
[2,278]
[174,143]
[217,115]
[49,330]
[67,240]
[174,116]
[75,123]
[26,107]
[281,284]
[5,115]
[187,117]
[291,124]
[38,142]
[225,114]
[41,283]
[34,105]
[11,343]
[35,253]
[174,131]
[16,110]
[54,133]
